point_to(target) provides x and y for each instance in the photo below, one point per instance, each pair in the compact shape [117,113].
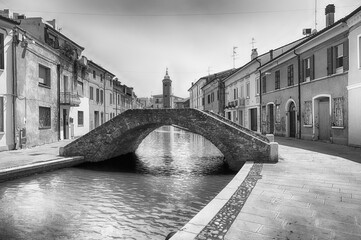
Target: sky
[138,39]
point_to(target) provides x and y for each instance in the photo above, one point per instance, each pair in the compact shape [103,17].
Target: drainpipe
[260,95]
[14,72]
[58,102]
[299,92]
[104,94]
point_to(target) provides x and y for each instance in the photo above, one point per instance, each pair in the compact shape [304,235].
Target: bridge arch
[124,133]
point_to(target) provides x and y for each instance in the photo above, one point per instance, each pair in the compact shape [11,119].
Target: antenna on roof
[316,14]
[234,56]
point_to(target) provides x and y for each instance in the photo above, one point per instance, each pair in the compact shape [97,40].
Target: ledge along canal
[145,195]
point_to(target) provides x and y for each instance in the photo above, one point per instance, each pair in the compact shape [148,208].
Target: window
[257,85]
[1,114]
[209,99]
[44,117]
[264,84]
[101,77]
[337,112]
[308,69]
[278,113]
[80,118]
[247,90]
[212,97]
[91,90]
[359,50]
[242,91]
[97,95]
[44,76]
[110,99]
[94,74]
[118,99]
[80,88]
[307,114]
[217,95]
[235,93]
[277,79]
[290,74]
[2,50]
[339,56]
[101,96]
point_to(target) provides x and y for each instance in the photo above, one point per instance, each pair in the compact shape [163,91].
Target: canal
[145,195]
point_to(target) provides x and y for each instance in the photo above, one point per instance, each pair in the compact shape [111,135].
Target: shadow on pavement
[347,152]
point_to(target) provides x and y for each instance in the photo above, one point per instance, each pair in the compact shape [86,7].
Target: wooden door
[324,120]
[292,122]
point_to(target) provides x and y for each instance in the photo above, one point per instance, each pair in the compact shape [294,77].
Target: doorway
[65,124]
[254,119]
[292,119]
[324,119]
[271,118]
[96,118]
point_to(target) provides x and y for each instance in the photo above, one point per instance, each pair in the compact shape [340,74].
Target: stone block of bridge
[124,133]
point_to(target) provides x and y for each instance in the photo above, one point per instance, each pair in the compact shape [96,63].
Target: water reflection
[140,196]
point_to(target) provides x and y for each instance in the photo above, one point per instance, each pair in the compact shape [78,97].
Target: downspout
[58,101]
[299,92]
[15,79]
[104,94]
[260,95]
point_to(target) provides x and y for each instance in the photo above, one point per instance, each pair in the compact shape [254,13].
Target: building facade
[354,80]
[8,91]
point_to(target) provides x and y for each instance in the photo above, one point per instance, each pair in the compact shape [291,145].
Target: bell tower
[167,91]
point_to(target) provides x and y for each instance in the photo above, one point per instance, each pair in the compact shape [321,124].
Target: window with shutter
[2,50]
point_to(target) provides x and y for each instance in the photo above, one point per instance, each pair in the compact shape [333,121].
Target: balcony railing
[68,98]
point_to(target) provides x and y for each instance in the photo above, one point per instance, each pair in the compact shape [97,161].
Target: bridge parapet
[125,132]
[264,138]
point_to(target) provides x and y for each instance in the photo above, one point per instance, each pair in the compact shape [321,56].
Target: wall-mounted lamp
[267,73]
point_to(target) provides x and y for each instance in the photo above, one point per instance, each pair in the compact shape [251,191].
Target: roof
[62,35]
[344,19]
[98,66]
[9,20]
[220,75]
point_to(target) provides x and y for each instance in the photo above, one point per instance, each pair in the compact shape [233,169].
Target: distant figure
[170,235]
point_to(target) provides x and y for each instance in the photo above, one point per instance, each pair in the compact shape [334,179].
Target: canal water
[145,195]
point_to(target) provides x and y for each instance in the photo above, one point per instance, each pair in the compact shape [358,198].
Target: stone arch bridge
[124,133]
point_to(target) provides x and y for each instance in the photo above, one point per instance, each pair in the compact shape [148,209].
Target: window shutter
[345,55]
[329,61]
[303,71]
[312,67]
[2,52]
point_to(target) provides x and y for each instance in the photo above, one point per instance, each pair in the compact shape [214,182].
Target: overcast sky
[137,39]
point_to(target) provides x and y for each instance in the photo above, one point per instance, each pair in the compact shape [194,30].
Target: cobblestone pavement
[313,192]
[220,224]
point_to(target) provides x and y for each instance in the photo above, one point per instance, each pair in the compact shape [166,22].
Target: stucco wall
[6,77]
[354,86]
[31,95]
[334,86]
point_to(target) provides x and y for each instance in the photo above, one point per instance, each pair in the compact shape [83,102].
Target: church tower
[167,91]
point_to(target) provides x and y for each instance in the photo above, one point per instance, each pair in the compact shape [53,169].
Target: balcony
[242,102]
[68,98]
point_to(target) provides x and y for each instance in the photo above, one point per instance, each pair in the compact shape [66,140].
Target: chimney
[271,54]
[330,14]
[254,53]
[52,23]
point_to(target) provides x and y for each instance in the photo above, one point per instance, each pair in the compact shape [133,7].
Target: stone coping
[199,222]
[38,167]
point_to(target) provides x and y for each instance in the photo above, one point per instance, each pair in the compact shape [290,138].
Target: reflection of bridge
[125,132]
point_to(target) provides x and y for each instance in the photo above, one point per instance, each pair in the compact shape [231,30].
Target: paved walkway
[37,159]
[313,192]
